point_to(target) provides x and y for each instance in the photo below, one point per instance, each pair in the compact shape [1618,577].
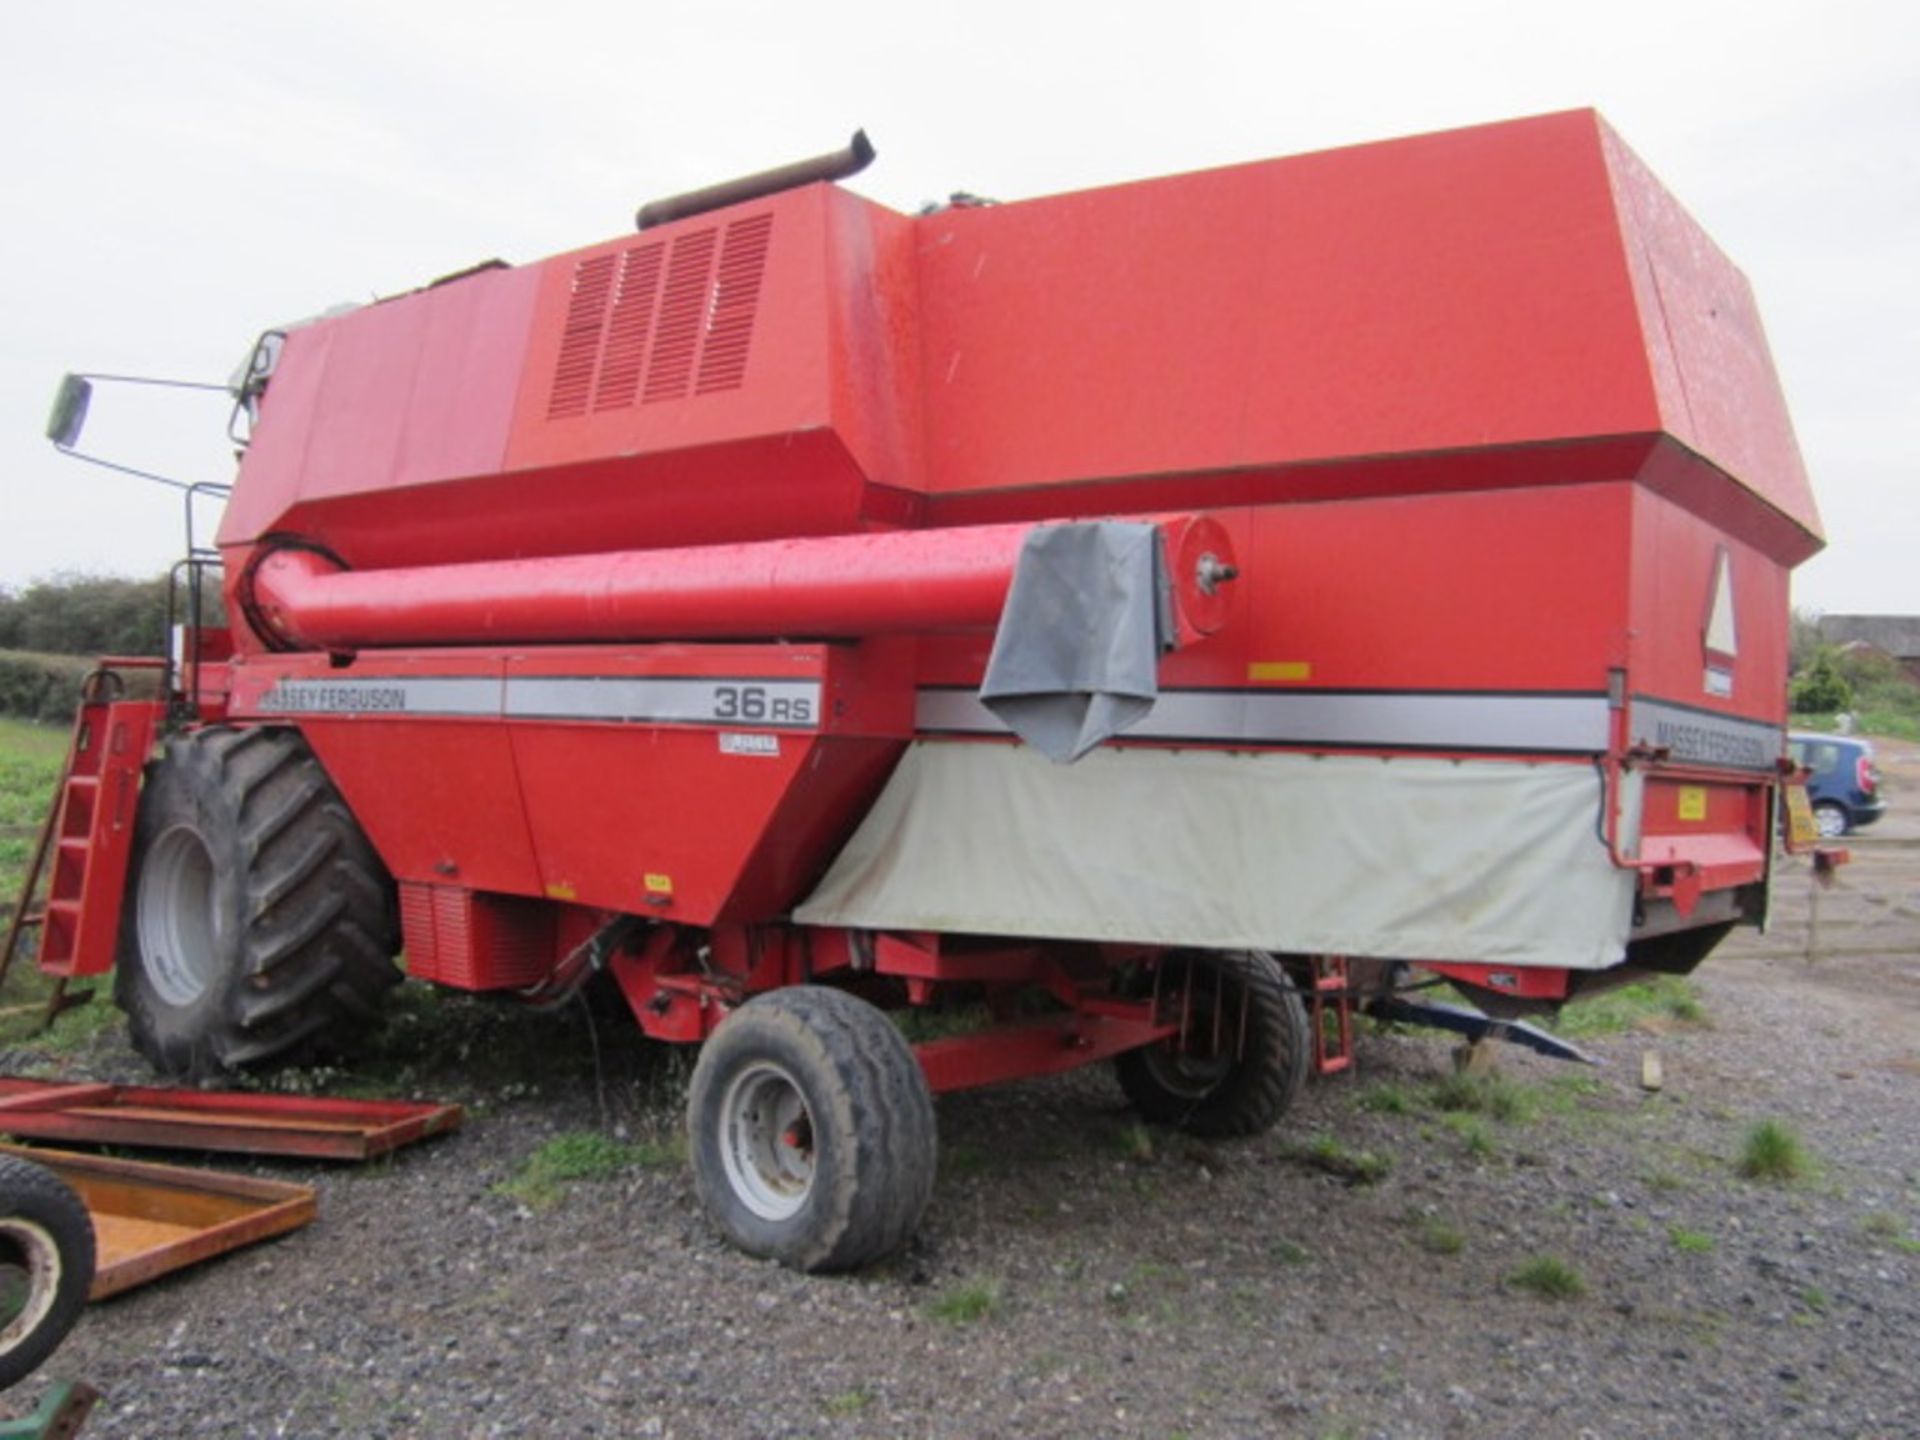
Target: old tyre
[46,1265]
[1243,1051]
[811,1130]
[258,920]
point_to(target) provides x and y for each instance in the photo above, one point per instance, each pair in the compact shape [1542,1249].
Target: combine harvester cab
[1191,602]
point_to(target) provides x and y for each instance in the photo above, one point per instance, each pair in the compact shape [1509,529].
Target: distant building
[1897,636]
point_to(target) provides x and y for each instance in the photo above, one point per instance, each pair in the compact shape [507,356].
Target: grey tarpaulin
[1076,659]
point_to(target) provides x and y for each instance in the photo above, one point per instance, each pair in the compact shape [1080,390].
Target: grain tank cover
[1517,304]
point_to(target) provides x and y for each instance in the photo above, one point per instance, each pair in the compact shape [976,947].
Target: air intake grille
[659,322]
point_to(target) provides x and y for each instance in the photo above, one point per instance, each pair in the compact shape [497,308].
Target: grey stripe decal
[757,704]
[1434,722]
[412,695]
[770,704]
[1699,737]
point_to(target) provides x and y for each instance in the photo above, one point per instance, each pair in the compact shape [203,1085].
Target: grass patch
[1387,1099]
[1491,1095]
[1288,1253]
[849,1402]
[581,1155]
[967,1303]
[1473,1133]
[1644,1005]
[1356,1167]
[1437,1237]
[1773,1151]
[1549,1277]
[1690,1242]
[1134,1142]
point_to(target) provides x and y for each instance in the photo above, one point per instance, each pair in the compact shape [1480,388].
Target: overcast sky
[177,176]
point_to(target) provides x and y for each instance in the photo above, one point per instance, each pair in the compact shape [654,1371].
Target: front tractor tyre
[1243,1051]
[811,1130]
[258,921]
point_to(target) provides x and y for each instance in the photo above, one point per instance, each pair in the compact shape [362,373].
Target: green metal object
[60,1415]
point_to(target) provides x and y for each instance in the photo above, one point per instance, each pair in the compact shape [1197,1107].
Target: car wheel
[1831,819]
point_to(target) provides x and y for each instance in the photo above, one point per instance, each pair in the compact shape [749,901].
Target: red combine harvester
[1154,616]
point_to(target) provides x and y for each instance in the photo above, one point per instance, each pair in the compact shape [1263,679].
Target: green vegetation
[1289,1253]
[849,1402]
[1549,1277]
[1691,1242]
[1134,1142]
[1773,1151]
[1437,1237]
[575,1156]
[966,1303]
[1892,1229]
[1491,1095]
[1356,1167]
[1882,697]
[30,760]
[1645,1004]
[1473,1133]
[1387,1098]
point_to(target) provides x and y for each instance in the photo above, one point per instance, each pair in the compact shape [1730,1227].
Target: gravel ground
[1079,1274]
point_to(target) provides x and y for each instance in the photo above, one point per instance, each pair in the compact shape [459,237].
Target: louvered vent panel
[736,299]
[580,341]
[628,324]
[683,315]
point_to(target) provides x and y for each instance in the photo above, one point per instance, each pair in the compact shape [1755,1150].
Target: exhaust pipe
[838,165]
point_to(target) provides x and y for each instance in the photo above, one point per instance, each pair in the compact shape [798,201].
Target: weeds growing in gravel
[1691,1242]
[966,1303]
[1134,1142]
[1356,1167]
[1645,1005]
[1387,1098]
[1437,1237]
[1473,1133]
[1288,1253]
[849,1402]
[580,1155]
[1491,1095]
[1549,1277]
[1773,1151]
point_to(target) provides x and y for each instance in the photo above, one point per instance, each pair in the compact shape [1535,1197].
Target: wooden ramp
[217,1120]
[150,1220]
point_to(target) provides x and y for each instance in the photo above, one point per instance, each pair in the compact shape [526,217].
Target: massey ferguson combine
[1151,617]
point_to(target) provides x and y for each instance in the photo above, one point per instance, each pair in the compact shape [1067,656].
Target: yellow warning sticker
[1280,670]
[561,890]
[1802,828]
[1693,802]
[659,884]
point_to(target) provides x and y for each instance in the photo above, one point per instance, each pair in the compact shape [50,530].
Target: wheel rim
[174,916]
[1190,1065]
[1831,823]
[1185,1074]
[766,1141]
[29,1278]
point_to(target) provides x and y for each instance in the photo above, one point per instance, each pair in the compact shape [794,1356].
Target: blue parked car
[1843,786]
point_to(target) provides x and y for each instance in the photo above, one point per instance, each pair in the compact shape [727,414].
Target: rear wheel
[46,1265]
[811,1130]
[1242,1053]
[258,919]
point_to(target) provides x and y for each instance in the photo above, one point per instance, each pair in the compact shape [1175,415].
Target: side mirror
[69,414]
